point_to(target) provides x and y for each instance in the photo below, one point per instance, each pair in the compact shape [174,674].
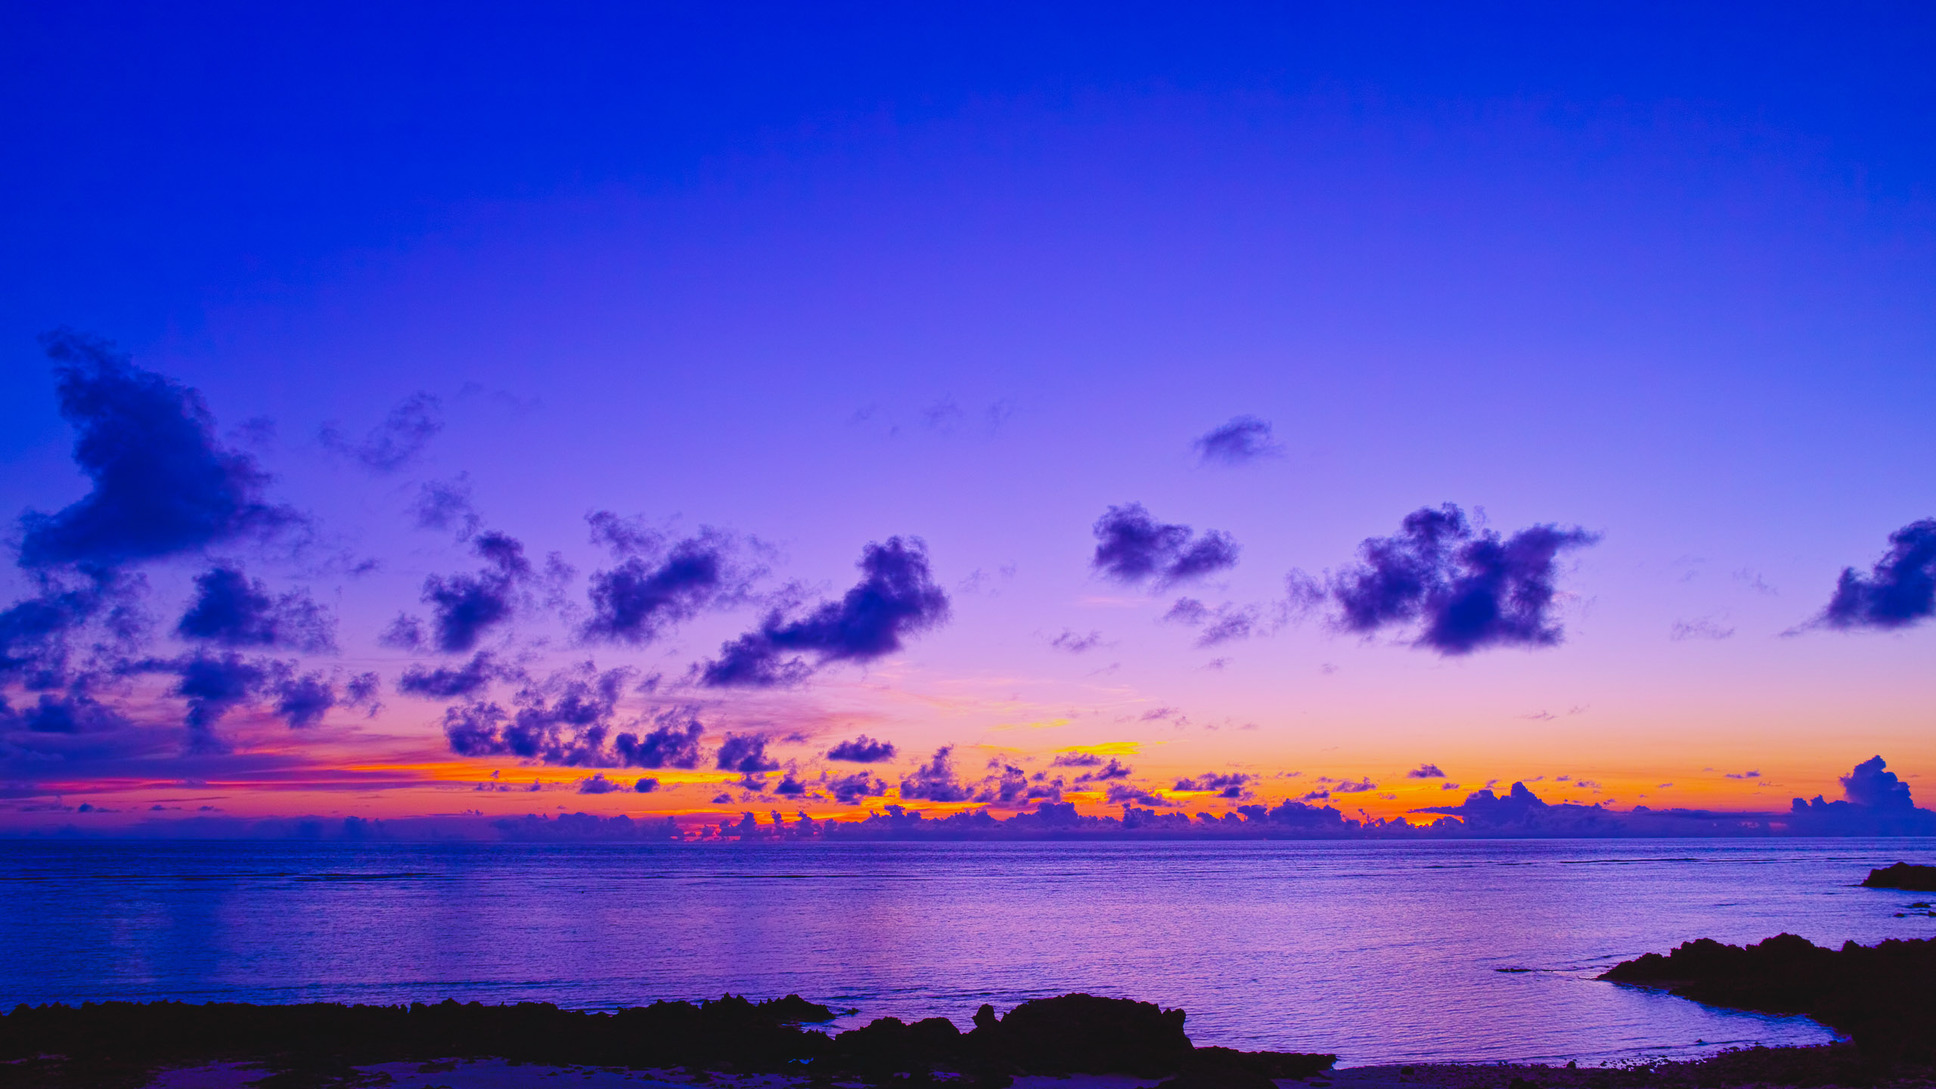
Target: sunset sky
[1051,387]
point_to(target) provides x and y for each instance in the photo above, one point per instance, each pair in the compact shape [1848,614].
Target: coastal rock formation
[1883,996]
[1902,875]
[1072,1034]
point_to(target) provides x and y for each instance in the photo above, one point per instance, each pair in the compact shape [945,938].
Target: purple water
[1376,951]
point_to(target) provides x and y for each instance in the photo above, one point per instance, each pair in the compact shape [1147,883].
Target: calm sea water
[1377,951]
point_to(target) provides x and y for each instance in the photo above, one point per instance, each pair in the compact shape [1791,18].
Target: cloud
[232,610]
[464,606]
[1123,793]
[445,506]
[1703,628]
[1076,643]
[1115,769]
[850,789]
[935,780]
[1425,771]
[862,750]
[212,685]
[1466,589]
[38,634]
[635,601]
[673,742]
[1230,785]
[1242,439]
[746,754]
[1876,788]
[1899,590]
[396,441]
[1223,624]
[161,483]
[1134,548]
[1076,760]
[645,786]
[1878,803]
[447,683]
[896,598]
[1360,787]
[598,784]
[302,700]
[61,714]
[565,718]
[1745,775]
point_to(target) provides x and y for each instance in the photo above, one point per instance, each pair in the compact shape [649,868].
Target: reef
[122,1043]
[1902,875]
[1882,996]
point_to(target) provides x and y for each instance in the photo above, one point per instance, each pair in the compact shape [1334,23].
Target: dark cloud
[566,718]
[1242,439]
[634,601]
[213,685]
[623,536]
[1899,590]
[598,784]
[935,780]
[1467,589]
[1362,786]
[645,786]
[746,754]
[1234,785]
[862,750]
[850,789]
[302,700]
[162,485]
[94,614]
[1076,643]
[61,714]
[1425,771]
[396,441]
[896,598]
[673,742]
[445,506]
[1133,548]
[1869,784]
[1123,793]
[1076,760]
[1878,803]
[464,606]
[790,787]
[232,610]
[1115,769]
[1006,786]
[446,683]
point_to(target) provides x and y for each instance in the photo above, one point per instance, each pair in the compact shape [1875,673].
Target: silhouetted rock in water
[1902,875]
[794,1010]
[1882,996]
[889,1046]
[1224,1068]
[1073,1034]
[1083,1034]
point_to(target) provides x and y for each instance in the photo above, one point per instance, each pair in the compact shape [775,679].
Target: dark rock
[1882,996]
[1902,875]
[1083,1034]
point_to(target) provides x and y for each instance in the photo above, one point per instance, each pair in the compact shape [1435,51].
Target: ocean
[1377,951]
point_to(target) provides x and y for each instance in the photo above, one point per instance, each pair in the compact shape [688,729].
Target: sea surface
[1380,952]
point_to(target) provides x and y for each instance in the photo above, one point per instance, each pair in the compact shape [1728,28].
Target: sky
[664,406]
